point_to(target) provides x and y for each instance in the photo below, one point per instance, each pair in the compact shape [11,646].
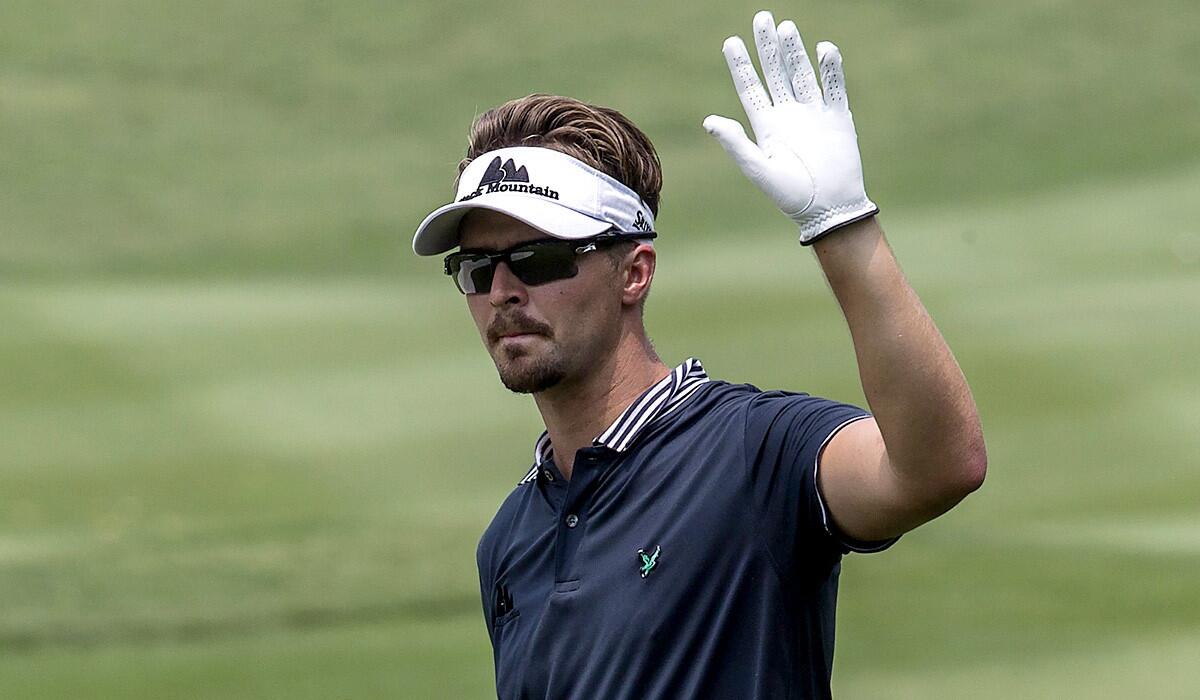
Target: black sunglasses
[534,262]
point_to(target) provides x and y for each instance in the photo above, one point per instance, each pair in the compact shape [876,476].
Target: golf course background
[248,441]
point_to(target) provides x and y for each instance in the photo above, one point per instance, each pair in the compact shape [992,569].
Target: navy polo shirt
[689,556]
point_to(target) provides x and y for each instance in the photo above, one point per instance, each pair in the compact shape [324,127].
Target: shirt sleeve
[785,434]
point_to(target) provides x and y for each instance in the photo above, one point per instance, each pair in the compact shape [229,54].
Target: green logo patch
[649,561]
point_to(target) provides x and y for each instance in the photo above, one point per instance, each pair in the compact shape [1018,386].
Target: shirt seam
[748,491]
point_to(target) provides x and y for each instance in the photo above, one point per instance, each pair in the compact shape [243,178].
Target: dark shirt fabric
[690,555]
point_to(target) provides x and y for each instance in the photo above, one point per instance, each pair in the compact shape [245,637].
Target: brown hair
[598,136]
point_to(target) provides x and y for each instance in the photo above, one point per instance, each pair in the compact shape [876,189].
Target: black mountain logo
[507,177]
[508,172]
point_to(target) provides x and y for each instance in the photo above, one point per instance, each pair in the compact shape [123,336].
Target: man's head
[542,335]
[541,168]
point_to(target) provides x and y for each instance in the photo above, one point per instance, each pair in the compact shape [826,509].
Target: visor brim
[439,232]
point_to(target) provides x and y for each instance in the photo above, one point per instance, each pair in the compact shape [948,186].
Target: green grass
[303,138]
[389,658]
[249,442]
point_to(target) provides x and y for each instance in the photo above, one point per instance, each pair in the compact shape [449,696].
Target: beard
[554,358]
[524,369]
[523,372]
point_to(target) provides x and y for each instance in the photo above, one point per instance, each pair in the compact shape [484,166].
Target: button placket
[573,511]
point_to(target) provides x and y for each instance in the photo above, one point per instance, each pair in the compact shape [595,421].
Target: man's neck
[576,413]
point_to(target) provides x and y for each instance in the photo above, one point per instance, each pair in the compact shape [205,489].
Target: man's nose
[506,287]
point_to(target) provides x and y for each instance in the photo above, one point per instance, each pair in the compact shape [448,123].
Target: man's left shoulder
[726,396]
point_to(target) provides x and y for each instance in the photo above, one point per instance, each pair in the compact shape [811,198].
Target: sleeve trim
[826,520]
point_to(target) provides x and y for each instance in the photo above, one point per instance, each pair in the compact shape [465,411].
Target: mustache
[510,325]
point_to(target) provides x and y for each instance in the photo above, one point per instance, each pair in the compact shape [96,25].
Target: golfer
[679,536]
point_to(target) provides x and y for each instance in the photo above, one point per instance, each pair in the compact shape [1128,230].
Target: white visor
[544,188]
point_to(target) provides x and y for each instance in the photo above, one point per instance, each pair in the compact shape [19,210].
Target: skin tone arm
[924,450]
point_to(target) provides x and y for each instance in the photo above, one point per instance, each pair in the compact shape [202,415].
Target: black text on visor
[533,262]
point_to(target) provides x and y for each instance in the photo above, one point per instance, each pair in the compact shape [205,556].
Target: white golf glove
[806,158]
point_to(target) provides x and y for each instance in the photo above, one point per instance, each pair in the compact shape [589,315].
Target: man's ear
[638,273]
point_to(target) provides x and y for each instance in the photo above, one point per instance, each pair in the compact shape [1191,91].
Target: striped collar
[664,397]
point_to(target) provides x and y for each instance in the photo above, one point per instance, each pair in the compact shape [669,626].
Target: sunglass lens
[472,275]
[544,263]
[534,264]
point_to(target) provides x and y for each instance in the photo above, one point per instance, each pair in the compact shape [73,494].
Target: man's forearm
[916,391]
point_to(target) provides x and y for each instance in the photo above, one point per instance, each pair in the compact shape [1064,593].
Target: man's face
[540,336]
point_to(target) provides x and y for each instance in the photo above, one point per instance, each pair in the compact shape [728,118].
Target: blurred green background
[248,441]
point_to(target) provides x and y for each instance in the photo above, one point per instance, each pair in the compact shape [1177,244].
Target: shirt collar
[664,397]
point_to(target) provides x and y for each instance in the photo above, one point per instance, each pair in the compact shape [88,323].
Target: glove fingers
[749,89]
[732,137]
[796,63]
[767,40]
[832,79]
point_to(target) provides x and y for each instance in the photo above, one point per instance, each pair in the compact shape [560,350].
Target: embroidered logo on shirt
[649,561]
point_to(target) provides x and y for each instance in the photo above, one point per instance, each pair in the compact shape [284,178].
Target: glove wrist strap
[835,218]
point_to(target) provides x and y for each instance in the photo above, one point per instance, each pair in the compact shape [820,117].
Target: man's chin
[528,375]
[527,385]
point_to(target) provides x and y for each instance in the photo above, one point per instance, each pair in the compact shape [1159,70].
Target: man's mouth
[515,333]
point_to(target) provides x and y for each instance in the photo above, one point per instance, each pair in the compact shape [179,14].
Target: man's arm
[924,450]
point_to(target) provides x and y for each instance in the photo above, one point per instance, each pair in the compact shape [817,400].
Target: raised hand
[805,153]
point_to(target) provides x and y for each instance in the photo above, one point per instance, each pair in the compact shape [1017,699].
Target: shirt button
[548,474]
[572,520]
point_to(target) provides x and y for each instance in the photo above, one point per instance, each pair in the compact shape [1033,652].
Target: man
[678,536]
